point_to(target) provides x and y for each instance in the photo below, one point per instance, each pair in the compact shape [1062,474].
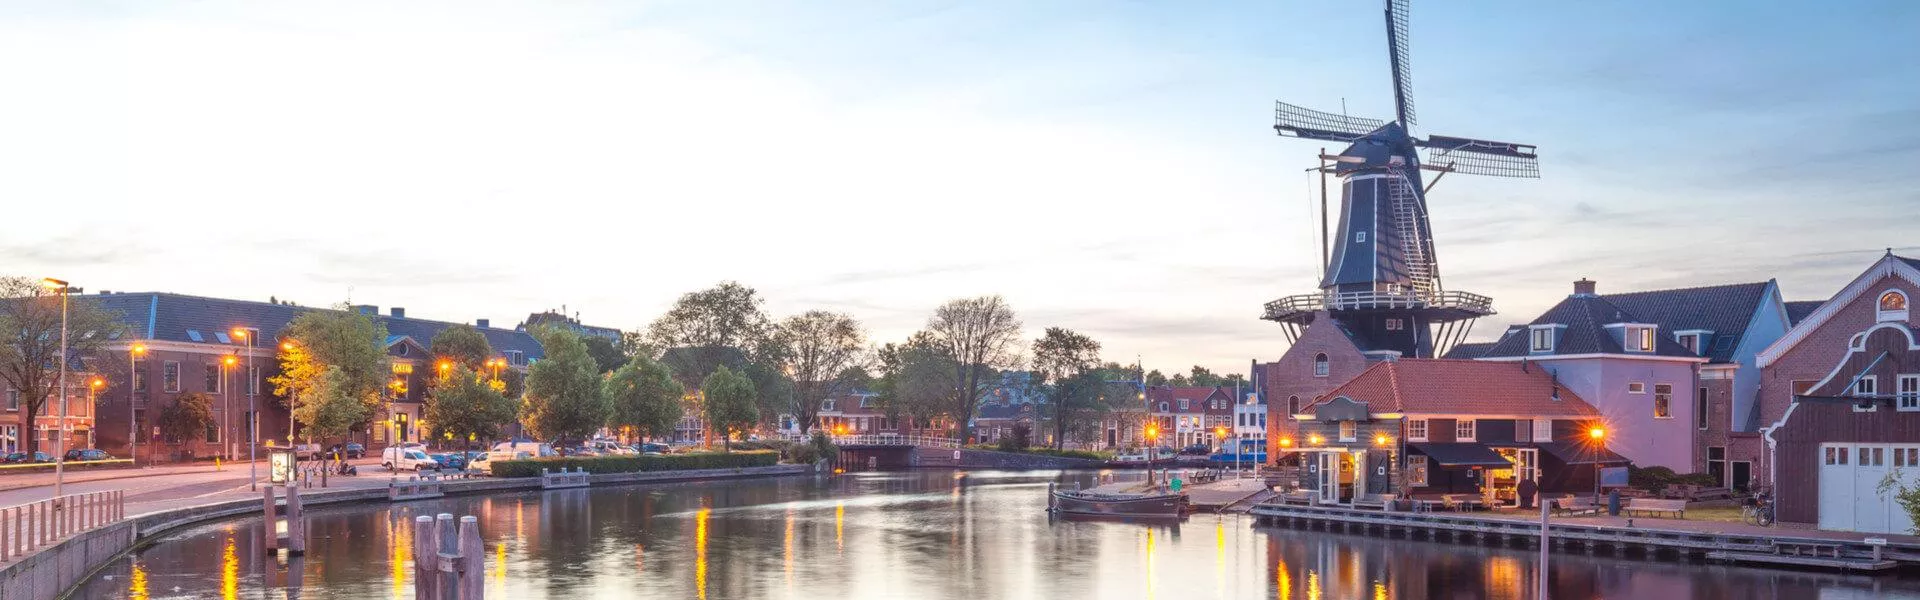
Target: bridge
[885,450]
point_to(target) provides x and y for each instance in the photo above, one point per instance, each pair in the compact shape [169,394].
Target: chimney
[482,323]
[398,312]
[367,309]
[1584,287]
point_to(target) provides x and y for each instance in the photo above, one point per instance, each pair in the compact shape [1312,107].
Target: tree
[916,378]
[607,355]
[466,405]
[563,399]
[643,395]
[1061,361]
[729,401]
[821,347]
[462,344]
[982,336]
[711,321]
[323,340]
[1156,378]
[332,405]
[1203,376]
[30,357]
[187,417]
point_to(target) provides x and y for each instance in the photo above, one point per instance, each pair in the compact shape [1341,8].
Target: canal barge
[1078,502]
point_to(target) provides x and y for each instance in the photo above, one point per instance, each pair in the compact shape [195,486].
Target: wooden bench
[1303,497]
[1654,505]
[1574,506]
[1462,502]
[1373,501]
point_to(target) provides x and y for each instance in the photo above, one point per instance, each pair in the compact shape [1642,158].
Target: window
[1417,430]
[1867,386]
[826,404]
[1349,431]
[1463,430]
[1639,338]
[1543,430]
[213,378]
[222,336]
[1701,409]
[1723,343]
[1319,365]
[1893,306]
[1163,407]
[516,357]
[1183,404]
[866,402]
[1635,387]
[170,376]
[1395,325]
[1690,341]
[1908,392]
[213,433]
[1662,401]
[1417,473]
[1293,406]
[1542,339]
[1359,237]
[140,380]
[195,336]
[13,399]
[1523,431]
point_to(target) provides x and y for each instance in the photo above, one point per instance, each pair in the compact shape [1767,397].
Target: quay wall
[968,458]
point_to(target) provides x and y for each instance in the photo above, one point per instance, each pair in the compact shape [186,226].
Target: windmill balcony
[1445,305]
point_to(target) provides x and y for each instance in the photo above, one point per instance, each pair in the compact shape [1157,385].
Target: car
[22,457]
[87,454]
[477,462]
[517,450]
[451,461]
[652,448]
[400,458]
[355,450]
[576,451]
[1196,450]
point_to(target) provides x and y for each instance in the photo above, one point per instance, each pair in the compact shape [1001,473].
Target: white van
[407,456]
[609,447]
[517,451]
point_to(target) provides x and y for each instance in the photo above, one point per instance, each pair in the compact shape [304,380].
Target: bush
[636,463]
[1086,454]
[1656,479]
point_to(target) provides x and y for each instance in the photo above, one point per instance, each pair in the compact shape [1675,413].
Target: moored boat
[1119,505]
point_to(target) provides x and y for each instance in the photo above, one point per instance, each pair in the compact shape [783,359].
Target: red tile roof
[1196,397]
[1463,387]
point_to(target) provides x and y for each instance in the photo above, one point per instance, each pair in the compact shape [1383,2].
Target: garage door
[1850,476]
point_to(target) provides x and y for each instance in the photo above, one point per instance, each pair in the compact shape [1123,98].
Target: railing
[1377,300]
[885,439]
[29,527]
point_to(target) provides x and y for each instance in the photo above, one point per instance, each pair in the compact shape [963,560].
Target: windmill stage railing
[1292,307]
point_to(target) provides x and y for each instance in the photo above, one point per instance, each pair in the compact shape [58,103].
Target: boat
[1078,502]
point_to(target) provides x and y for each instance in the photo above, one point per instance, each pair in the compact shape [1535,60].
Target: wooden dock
[1777,548]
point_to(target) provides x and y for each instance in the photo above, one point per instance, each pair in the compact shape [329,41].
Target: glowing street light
[253,409]
[134,352]
[60,439]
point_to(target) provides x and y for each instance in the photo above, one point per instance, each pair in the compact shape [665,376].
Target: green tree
[30,353]
[1062,359]
[463,344]
[916,378]
[606,354]
[1155,378]
[982,335]
[322,340]
[644,396]
[712,322]
[563,400]
[465,405]
[332,405]
[728,398]
[821,347]
[187,417]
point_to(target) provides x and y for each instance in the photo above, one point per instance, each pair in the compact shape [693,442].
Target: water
[926,534]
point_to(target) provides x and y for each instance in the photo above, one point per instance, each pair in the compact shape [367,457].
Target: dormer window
[826,405]
[1892,306]
[1694,340]
[1541,338]
[1639,338]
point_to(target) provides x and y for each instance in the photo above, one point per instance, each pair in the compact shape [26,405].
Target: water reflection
[898,535]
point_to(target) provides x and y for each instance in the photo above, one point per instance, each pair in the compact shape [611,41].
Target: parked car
[606,446]
[1196,450]
[22,457]
[517,450]
[477,462]
[87,454]
[355,450]
[452,461]
[652,448]
[400,458]
[577,451]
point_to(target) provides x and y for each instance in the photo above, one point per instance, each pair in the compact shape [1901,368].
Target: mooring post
[296,523]
[426,559]
[473,553]
[447,532]
[268,535]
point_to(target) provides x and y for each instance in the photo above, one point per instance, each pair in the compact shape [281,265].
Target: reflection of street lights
[133,425]
[60,433]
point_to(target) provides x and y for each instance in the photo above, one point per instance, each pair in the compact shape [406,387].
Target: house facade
[1841,396]
[1190,415]
[1323,357]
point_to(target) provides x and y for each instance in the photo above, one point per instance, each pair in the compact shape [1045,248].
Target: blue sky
[1107,166]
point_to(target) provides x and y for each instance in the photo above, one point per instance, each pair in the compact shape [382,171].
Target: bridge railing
[928,441]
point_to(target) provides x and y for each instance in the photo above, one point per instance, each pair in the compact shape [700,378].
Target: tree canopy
[607,355]
[982,336]
[466,405]
[820,348]
[563,399]
[644,396]
[318,342]
[331,406]
[1066,369]
[916,378]
[728,315]
[187,417]
[30,354]
[728,398]
[463,344]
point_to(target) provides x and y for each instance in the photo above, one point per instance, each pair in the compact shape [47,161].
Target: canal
[921,534]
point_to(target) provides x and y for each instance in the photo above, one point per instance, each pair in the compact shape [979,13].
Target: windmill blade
[1402,59]
[1480,157]
[1294,121]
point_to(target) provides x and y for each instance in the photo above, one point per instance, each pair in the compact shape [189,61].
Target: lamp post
[226,408]
[1153,433]
[1594,437]
[133,394]
[253,412]
[60,450]
[93,409]
[287,345]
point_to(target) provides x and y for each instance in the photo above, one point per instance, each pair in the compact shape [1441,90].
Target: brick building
[1324,356]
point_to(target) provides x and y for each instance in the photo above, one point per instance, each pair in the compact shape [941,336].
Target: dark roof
[1586,318]
[1723,309]
[1799,309]
[1911,262]
[1582,453]
[1470,350]
[178,318]
[1461,454]
[1000,411]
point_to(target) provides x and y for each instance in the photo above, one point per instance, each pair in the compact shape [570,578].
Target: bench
[1304,497]
[1654,505]
[1570,505]
[1373,501]
[1462,502]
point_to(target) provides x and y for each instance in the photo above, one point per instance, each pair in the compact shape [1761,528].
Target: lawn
[1724,514]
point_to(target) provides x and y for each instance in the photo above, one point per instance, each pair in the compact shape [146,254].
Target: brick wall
[1293,376]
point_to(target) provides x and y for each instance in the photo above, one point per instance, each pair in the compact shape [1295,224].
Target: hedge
[634,463]
[1082,454]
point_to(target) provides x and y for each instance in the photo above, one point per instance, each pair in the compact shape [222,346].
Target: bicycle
[1758,510]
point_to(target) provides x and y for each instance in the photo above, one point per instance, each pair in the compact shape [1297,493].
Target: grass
[1722,514]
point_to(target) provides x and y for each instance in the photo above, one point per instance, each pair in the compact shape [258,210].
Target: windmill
[1382,281]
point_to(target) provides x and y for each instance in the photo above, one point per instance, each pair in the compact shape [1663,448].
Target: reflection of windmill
[1382,281]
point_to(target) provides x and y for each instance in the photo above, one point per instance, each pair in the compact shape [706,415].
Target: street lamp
[226,407]
[253,411]
[93,408]
[287,345]
[60,433]
[133,393]
[1596,436]
[1153,433]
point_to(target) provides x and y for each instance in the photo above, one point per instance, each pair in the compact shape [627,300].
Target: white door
[1329,477]
[1850,476]
[1836,487]
[1869,509]
[1360,472]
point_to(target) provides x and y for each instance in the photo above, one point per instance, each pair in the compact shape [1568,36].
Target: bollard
[447,533]
[425,559]
[473,579]
[296,523]
[269,534]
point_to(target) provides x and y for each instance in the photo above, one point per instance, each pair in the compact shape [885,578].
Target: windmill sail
[1402,60]
[1296,121]
[1480,157]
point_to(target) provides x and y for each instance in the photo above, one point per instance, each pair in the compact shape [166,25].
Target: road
[159,487]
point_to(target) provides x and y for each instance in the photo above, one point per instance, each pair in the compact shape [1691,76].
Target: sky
[1107,167]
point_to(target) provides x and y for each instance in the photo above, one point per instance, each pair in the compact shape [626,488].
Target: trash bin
[1613,503]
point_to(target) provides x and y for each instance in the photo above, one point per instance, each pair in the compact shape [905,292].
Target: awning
[1463,454]
[1582,453]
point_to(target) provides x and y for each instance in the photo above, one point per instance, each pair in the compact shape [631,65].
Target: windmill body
[1382,280]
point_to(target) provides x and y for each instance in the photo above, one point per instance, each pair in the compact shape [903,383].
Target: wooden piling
[426,559]
[447,533]
[269,533]
[296,523]
[473,578]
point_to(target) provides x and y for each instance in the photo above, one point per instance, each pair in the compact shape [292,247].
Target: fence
[28,527]
[886,439]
